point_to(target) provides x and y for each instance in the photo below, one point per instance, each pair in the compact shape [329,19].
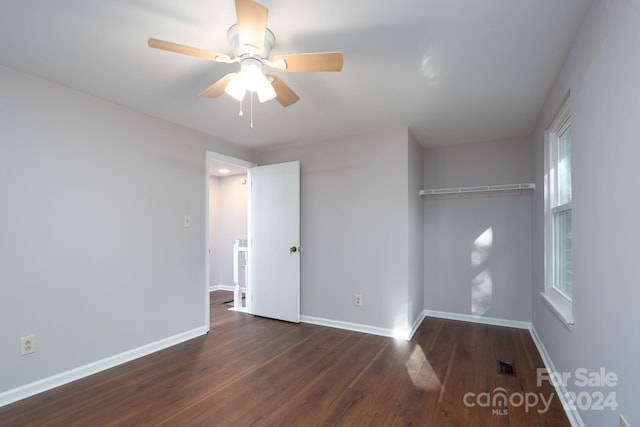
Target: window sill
[562,312]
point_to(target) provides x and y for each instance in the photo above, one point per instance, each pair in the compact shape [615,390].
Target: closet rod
[479,189]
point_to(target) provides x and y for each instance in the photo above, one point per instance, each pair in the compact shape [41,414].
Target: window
[558,231]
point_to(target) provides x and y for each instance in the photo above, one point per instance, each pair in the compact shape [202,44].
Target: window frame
[559,302]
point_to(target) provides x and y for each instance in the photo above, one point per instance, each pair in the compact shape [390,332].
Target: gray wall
[415,177]
[214,231]
[94,259]
[477,256]
[602,72]
[354,227]
[228,222]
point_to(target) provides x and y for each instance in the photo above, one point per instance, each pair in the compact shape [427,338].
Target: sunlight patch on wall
[482,283]
[481,293]
[481,248]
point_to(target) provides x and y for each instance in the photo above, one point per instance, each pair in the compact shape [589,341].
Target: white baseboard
[221,288]
[57,380]
[415,326]
[574,416]
[356,327]
[478,319]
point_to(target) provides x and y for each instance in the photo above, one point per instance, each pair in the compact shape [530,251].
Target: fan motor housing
[241,50]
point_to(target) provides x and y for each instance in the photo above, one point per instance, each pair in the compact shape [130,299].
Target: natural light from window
[420,371]
[482,283]
[559,290]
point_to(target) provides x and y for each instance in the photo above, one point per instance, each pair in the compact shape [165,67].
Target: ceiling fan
[252,42]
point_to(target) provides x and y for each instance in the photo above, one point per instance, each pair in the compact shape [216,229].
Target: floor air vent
[507,368]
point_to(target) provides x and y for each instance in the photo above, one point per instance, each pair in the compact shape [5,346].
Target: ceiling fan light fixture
[252,41]
[236,87]
[266,92]
[254,78]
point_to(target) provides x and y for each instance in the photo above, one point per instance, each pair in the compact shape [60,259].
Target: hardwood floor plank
[212,373]
[269,385]
[320,394]
[252,371]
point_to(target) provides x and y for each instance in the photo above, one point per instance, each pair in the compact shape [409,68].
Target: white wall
[602,72]
[477,258]
[354,227]
[94,259]
[228,222]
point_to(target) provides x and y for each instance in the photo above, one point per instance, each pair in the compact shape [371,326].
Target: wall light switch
[187,221]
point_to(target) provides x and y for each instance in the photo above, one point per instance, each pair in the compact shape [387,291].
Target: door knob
[293,249]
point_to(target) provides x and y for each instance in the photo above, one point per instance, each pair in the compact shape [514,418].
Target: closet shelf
[481,189]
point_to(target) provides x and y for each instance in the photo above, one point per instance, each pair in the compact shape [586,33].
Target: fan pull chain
[240,113]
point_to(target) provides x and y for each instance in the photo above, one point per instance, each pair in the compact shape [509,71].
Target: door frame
[212,155]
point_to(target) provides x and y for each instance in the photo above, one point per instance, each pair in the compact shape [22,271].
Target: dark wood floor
[251,371]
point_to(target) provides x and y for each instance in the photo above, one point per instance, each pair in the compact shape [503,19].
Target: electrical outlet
[623,421]
[357,300]
[27,345]
[187,221]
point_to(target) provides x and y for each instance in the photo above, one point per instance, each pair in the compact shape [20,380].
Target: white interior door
[274,273]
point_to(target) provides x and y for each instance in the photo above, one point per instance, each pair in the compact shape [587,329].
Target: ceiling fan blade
[187,50]
[284,95]
[252,24]
[328,61]
[217,89]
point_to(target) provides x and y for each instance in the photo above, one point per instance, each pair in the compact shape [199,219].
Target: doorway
[228,194]
[268,227]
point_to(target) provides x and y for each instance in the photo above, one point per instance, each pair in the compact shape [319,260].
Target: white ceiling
[216,165]
[453,71]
